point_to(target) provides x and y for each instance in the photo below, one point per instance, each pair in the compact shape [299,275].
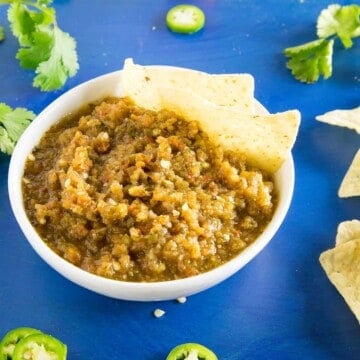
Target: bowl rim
[136,291]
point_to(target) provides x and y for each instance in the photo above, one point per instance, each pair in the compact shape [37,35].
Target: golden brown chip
[233,90]
[350,185]
[342,266]
[347,231]
[344,118]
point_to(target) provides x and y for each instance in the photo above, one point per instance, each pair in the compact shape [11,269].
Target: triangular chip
[266,140]
[226,111]
[342,266]
[347,231]
[344,118]
[232,90]
[350,185]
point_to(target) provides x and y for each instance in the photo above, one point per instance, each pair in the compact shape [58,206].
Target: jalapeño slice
[185,19]
[9,341]
[40,346]
[191,351]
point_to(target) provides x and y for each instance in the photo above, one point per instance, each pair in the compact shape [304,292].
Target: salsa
[137,195]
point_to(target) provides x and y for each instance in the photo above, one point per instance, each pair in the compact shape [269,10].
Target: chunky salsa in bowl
[143,202]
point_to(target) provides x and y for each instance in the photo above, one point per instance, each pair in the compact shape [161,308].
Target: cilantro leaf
[44,47]
[21,22]
[13,122]
[6,144]
[45,2]
[341,21]
[2,34]
[311,60]
[61,64]
[30,57]
[16,121]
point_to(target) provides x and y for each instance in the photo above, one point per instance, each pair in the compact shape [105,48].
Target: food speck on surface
[181,300]
[158,313]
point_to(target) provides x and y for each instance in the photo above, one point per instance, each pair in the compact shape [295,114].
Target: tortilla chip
[342,266]
[347,231]
[350,185]
[233,90]
[265,139]
[345,118]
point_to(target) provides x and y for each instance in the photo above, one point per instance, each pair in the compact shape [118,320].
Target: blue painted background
[281,305]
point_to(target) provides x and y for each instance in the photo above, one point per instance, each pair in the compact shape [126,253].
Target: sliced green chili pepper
[191,351]
[185,19]
[9,341]
[40,346]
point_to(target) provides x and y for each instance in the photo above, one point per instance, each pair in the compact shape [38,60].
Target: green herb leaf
[42,43]
[44,47]
[6,144]
[2,34]
[311,60]
[45,2]
[341,21]
[21,23]
[13,122]
[61,64]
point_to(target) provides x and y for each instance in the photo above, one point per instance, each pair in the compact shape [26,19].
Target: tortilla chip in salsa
[265,139]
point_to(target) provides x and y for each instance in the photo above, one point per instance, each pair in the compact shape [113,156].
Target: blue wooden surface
[281,305]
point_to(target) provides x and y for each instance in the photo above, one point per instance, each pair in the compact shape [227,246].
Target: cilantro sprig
[43,46]
[13,122]
[309,61]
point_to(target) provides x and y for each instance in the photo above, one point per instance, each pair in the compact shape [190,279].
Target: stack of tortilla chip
[223,105]
[342,263]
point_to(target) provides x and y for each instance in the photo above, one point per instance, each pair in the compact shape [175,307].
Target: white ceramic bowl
[95,89]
